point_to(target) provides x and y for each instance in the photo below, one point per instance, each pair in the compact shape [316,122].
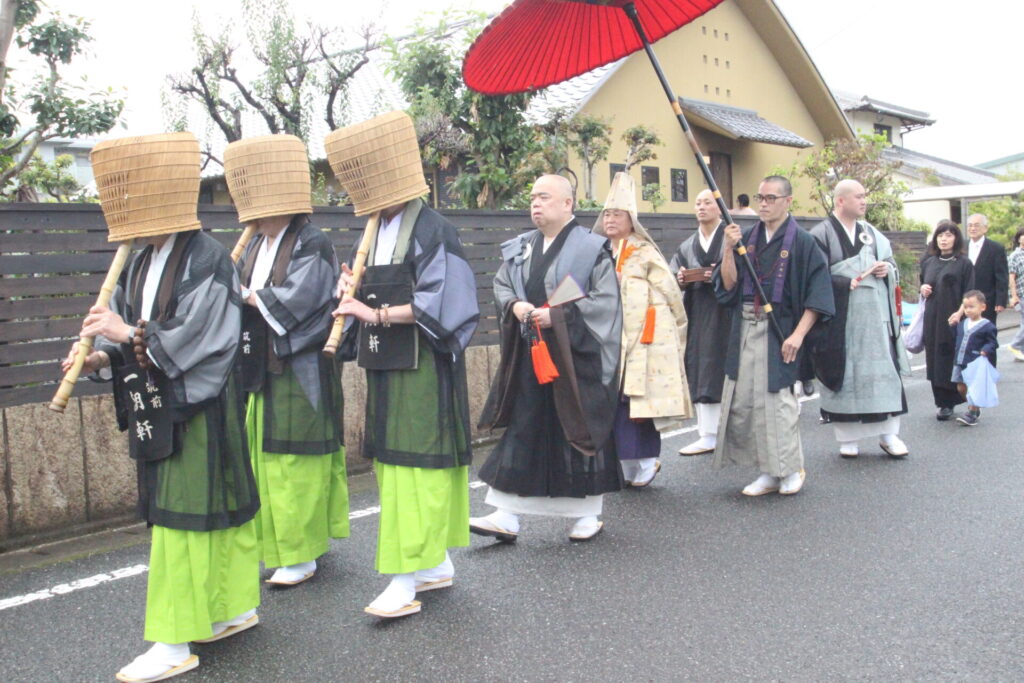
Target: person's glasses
[769,198]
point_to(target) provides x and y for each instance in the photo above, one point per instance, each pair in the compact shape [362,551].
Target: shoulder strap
[171,275]
[284,250]
[250,259]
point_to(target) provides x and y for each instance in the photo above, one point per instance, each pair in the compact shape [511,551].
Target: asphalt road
[880,569]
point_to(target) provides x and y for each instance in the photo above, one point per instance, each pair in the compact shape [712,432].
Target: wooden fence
[53,258]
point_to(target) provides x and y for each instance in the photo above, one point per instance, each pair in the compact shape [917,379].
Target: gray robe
[875,354]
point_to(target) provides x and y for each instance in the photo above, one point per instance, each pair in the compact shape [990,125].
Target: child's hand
[984,353]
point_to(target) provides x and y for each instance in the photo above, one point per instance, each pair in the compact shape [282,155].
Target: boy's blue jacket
[969,345]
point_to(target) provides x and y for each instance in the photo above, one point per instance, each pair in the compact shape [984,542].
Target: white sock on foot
[294,572]
[157,660]
[445,570]
[399,593]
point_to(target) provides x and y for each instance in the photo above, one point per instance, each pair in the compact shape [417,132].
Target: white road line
[135,570]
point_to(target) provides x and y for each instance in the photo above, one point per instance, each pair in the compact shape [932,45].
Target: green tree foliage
[33,112]
[652,192]
[640,143]
[861,160]
[590,138]
[491,132]
[301,73]
[1005,215]
[54,179]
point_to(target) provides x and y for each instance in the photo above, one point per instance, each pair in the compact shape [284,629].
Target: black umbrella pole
[677,109]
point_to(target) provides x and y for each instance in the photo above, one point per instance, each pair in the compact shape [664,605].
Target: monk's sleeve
[444,301]
[198,344]
[817,284]
[307,289]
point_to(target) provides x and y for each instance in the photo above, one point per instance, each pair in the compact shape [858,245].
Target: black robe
[950,280]
[536,455]
[807,285]
[708,324]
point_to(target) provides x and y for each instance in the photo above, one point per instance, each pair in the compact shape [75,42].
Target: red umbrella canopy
[536,43]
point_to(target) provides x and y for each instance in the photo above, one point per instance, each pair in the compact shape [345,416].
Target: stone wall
[62,474]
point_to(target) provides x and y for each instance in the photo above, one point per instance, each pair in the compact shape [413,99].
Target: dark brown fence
[53,258]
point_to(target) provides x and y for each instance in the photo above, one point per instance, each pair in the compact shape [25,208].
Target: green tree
[301,73]
[492,132]
[862,160]
[653,194]
[33,112]
[640,143]
[54,178]
[590,138]
[1005,215]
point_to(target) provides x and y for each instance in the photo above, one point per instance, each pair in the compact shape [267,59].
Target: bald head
[851,200]
[551,203]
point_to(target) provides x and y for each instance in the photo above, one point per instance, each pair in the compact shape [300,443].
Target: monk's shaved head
[551,201]
[559,183]
[846,187]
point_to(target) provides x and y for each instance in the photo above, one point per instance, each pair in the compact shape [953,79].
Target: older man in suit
[991,275]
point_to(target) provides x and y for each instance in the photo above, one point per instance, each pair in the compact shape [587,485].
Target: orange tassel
[647,336]
[543,367]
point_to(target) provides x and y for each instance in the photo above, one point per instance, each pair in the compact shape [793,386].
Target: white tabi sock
[399,593]
[219,627]
[506,520]
[157,660]
[630,469]
[645,470]
[445,570]
[294,572]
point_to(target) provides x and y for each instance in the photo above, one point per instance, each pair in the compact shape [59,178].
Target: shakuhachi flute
[243,242]
[67,385]
[369,236]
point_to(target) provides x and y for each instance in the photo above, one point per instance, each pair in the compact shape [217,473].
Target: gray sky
[955,60]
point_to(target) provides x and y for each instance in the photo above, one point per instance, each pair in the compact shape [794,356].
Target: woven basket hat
[378,162]
[268,176]
[148,185]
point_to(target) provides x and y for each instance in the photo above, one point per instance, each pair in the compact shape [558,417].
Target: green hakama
[304,497]
[423,512]
[197,578]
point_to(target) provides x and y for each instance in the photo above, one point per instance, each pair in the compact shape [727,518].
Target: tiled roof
[572,94]
[948,172]
[849,102]
[740,124]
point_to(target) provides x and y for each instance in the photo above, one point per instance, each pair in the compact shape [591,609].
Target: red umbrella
[536,43]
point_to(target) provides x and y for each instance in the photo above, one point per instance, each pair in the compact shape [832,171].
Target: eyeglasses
[769,198]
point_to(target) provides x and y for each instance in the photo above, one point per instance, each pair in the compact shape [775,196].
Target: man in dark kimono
[863,357]
[557,455]
[288,271]
[760,412]
[417,311]
[991,269]
[709,323]
[180,401]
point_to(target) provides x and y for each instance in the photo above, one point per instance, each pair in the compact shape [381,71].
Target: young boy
[975,336]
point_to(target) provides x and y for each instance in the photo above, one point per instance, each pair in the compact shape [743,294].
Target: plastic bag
[980,378]
[913,338]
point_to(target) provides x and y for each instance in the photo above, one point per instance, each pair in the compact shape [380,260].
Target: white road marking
[137,569]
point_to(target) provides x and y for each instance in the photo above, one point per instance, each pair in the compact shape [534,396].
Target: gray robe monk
[873,334]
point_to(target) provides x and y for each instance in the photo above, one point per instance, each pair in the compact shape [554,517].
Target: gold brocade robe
[652,375]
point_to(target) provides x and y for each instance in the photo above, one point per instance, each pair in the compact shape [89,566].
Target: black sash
[387,347]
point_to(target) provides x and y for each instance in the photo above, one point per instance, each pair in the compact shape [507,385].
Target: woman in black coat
[946,274]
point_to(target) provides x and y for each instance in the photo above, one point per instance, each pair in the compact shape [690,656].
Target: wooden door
[721,170]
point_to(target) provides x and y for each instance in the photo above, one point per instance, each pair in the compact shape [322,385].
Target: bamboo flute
[67,384]
[369,236]
[243,241]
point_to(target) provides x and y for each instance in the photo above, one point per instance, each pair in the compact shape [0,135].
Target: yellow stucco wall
[718,58]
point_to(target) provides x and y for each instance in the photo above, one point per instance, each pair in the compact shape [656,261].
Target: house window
[615,168]
[881,129]
[679,190]
[650,175]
